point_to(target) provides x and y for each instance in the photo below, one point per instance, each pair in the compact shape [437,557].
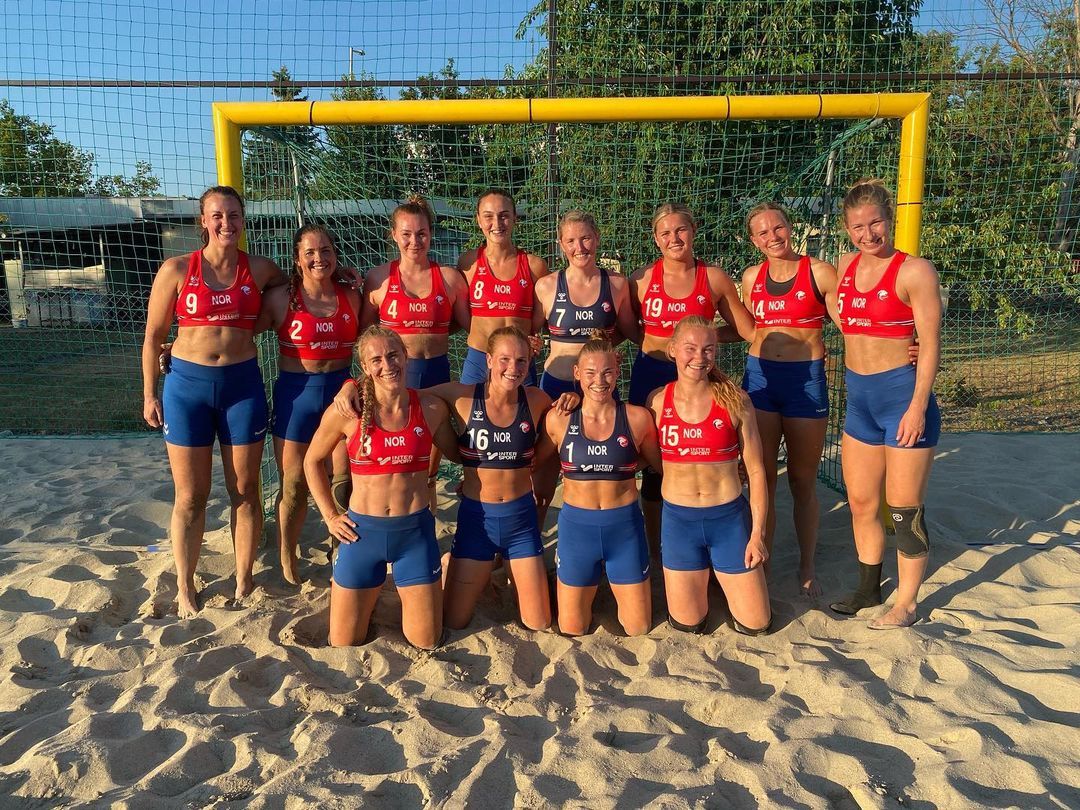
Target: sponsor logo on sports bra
[667,413]
[654,288]
[346,317]
[524,427]
[572,430]
[606,307]
[245,289]
[623,441]
[800,295]
[701,299]
[419,431]
[477,414]
[523,282]
[560,297]
[882,295]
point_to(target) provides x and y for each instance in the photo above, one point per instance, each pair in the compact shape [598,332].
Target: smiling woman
[213,388]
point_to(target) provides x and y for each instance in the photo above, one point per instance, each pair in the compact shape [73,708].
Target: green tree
[35,163]
[279,162]
[142,184]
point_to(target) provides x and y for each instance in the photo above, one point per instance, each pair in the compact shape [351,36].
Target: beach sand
[107,700]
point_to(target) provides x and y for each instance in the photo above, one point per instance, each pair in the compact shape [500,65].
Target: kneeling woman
[388,519]
[702,419]
[497,514]
[600,446]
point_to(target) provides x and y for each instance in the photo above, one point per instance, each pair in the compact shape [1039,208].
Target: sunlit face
[508,363]
[694,352]
[674,235]
[496,218]
[770,232]
[383,359]
[412,235]
[316,256]
[597,373]
[869,229]
[223,219]
[579,242]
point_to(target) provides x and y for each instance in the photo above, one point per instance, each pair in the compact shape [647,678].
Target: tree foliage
[36,163]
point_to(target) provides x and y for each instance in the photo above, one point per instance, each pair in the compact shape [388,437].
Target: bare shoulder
[642,274]
[377,276]
[818,266]
[434,408]
[750,274]
[466,262]
[546,284]
[655,399]
[537,398]
[537,266]
[917,265]
[845,261]
[175,267]
[640,417]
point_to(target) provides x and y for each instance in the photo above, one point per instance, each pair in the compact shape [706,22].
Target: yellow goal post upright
[231,118]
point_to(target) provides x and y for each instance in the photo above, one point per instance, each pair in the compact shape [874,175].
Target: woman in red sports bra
[500,278]
[418,299]
[213,388]
[316,318]
[884,297]
[705,422]
[789,297]
[388,520]
[675,286]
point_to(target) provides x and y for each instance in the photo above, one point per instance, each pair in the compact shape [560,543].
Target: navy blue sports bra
[499,448]
[612,459]
[569,323]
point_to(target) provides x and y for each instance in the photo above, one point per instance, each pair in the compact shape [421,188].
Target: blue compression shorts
[796,389]
[648,374]
[406,542]
[694,537]
[474,369]
[200,402]
[487,529]
[876,403]
[612,539]
[299,402]
[424,372]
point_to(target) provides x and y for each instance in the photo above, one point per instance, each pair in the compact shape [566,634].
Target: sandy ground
[106,699]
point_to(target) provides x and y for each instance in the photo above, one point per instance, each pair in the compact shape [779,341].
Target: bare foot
[290,568]
[894,619]
[187,603]
[808,583]
[244,586]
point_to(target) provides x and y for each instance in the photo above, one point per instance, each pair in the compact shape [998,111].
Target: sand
[107,699]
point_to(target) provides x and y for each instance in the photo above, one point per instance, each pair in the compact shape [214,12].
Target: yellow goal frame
[231,118]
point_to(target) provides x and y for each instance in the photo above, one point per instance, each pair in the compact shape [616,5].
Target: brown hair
[761,208]
[599,342]
[667,209]
[511,332]
[367,384]
[725,392]
[869,191]
[221,191]
[417,206]
[496,192]
[577,215]
[296,276]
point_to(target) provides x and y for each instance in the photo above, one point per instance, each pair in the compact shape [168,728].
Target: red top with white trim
[660,312]
[491,297]
[236,306]
[408,315]
[710,441]
[878,312]
[310,337]
[799,307]
[399,451]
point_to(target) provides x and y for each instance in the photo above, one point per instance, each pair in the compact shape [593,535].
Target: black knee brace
[750,631]
[650,484]
[912,541]
[696,629]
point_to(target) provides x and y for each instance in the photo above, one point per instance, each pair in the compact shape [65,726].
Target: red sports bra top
[660,312]
[799,307]
[407,315]
[491,297]
[393,451]
[710,441]
[236,306]
[310,337]
[878,312]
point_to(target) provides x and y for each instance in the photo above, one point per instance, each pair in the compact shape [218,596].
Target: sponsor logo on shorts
[165,428]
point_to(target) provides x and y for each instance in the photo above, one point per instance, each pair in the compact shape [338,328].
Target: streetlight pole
[357,51]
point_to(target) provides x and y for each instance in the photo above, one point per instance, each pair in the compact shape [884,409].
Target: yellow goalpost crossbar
[231,118]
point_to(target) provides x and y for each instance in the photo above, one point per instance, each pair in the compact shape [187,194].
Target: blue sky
[237,40]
